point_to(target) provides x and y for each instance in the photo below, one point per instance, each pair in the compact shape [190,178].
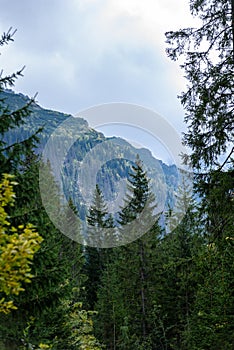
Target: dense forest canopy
[166,290]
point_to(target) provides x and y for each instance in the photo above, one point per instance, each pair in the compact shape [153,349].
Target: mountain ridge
[164,178]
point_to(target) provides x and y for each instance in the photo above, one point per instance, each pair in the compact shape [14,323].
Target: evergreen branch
[6,37]
[226,160]
[28,140]
[9,80]
[15,118]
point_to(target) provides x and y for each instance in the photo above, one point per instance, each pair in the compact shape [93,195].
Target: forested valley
[172,287]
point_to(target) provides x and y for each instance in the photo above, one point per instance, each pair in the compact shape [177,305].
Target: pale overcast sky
[80,53]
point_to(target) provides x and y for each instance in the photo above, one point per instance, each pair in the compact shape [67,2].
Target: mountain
[81,156]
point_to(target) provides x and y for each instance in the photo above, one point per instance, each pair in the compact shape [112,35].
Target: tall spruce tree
[179,278]
[130,276]
[42,312]
[208,65]
[10,155]
[98,219]
[110,305]
[210,325]
[41,309]
[208,102]
[139,206]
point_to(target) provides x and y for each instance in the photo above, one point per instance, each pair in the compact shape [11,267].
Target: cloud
[84,52]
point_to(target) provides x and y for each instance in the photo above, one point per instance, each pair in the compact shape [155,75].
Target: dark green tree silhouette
[11,155]
[208,101]
[98,220]
[130,275]
[137,215]
[41,315]
[208,65]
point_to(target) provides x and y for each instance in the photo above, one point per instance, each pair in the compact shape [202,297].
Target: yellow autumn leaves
[17,248]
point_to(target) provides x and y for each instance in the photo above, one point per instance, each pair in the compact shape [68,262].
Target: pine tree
[130,301]
[211,319]
[140,198]
[179,248]
[10,155]
[98,219]
[47,307]
[208,102]
[96,257]
[110,307]
[208,65]
[212,312]
[137,215]
[71,249]
[41,307]
[184,201]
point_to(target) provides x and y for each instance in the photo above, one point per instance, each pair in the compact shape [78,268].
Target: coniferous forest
[169,289]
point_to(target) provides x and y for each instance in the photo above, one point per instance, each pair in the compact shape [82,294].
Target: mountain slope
[85,141]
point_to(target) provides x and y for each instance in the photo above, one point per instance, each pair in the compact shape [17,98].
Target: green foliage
[139,206]
[96,257]
[56,269]
[98,219]
[125,296]
[11,154]
[208,66]
[110,305]
[164,291]
[80,336]
[179,277]
[138,194]
[208,101]
[80,321]
[212,315]
[218,205]
[40,317]
[184,201]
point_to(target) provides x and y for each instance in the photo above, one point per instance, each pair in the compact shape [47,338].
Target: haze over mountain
[109,159]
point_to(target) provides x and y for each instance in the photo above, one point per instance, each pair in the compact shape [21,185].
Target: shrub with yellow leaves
[17,248]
